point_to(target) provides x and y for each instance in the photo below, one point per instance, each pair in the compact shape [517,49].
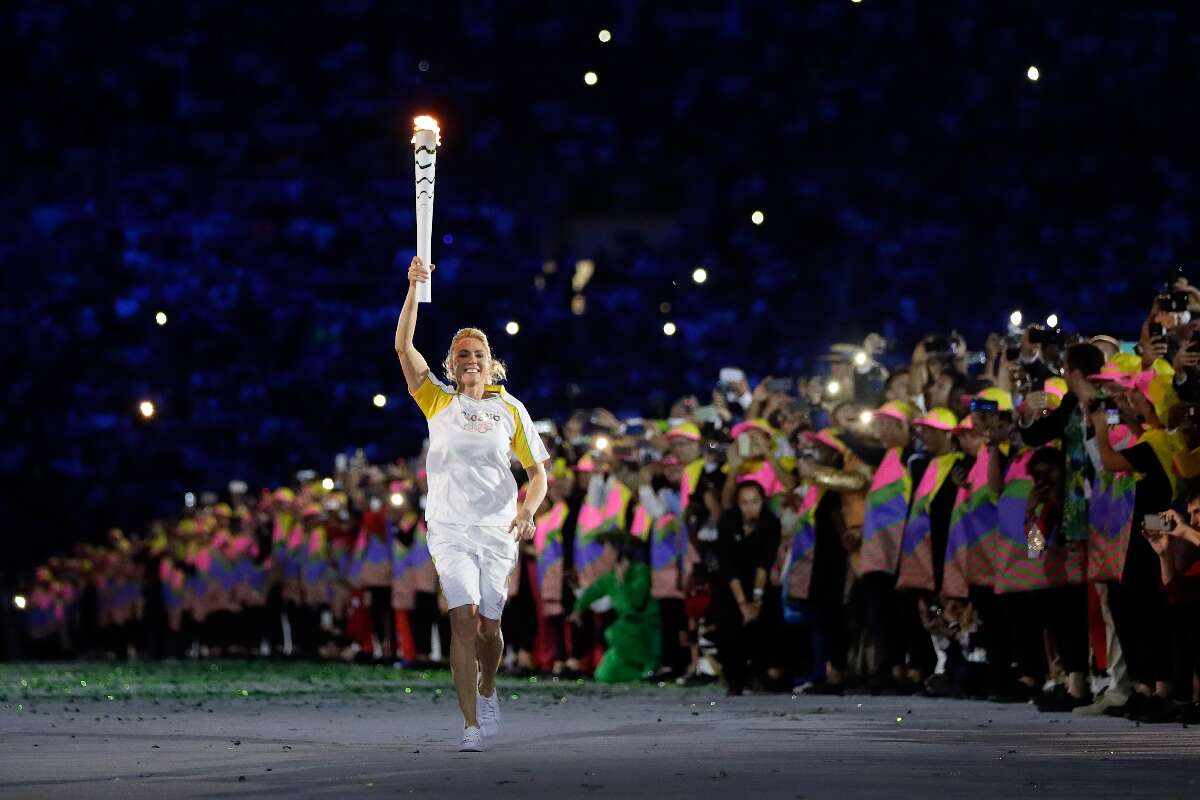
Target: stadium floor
[302,730]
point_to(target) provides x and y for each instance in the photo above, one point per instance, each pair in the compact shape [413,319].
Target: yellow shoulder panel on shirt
[432,397]
[520,443]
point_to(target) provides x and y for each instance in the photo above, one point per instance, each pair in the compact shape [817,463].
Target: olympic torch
[426,138]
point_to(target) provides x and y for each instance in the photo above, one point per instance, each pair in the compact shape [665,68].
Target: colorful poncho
[917,570]
[974,528]
[1110,512]
[1060,564]
[801,545]
[887,512]
[548,543]
[602,515]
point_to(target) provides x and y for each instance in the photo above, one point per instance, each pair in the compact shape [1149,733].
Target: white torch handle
[425,165]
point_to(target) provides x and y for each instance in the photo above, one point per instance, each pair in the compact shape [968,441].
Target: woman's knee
[488,630]
[464,621]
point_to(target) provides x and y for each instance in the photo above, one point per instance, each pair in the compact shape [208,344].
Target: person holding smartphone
[471,512]
[1137,601]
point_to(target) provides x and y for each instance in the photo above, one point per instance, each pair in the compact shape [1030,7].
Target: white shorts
[473,563]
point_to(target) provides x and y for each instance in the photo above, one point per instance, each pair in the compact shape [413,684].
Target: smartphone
[784,385]
[375,504]
[1153,523]
[544,427]
[744,445]
[729,375]
[634,426]
[1012,353]
[979,405]
[1114,417]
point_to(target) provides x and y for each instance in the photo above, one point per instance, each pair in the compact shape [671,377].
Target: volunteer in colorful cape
[548,545]
[658,521]
[1136,599]
[984,437]
[883,529]
[813,574]
[582,635]
[747,543]
[673,567]
[926,530]
[472,515]
[604,516]
[632,641]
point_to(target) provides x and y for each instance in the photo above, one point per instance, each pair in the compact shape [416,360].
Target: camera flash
[601,442]
[833,387]
[1015,318]
[397,499]
[866,417]
[860,359]
[1052,321]
[327,484]
[19,601]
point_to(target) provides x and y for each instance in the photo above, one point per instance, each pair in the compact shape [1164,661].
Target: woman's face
[472,363]
[749,500]
[890,431]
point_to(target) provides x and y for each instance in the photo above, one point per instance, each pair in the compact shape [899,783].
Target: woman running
[471,512]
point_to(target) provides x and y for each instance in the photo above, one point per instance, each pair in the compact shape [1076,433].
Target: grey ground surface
[575,741]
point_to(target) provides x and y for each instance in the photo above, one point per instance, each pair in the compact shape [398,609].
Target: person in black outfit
[1138,601]
[747,541]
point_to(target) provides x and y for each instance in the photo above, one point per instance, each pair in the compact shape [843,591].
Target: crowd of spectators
[1020,523]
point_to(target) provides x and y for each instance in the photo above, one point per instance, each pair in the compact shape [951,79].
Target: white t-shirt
[470,441]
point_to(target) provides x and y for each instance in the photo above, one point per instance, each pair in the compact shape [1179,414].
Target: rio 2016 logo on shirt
[479,423]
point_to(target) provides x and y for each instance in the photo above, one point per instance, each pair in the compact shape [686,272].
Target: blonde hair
[497,372]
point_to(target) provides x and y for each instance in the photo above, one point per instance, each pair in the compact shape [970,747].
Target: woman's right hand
[418,272]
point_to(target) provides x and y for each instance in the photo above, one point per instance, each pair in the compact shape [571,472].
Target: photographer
[883,529]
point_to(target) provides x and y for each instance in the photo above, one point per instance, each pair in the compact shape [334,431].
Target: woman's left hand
[522,526]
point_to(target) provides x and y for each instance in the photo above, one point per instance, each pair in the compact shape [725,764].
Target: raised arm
[413,363]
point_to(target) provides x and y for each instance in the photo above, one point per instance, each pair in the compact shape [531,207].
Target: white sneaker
[1110,699]
[472,741]
[488,711]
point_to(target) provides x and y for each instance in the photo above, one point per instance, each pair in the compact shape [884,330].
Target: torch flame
[427,123]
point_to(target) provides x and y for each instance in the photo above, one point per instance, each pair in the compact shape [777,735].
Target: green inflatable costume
[634,639]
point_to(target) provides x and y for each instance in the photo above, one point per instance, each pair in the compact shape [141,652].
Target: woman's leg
[489,647]
[464,662]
